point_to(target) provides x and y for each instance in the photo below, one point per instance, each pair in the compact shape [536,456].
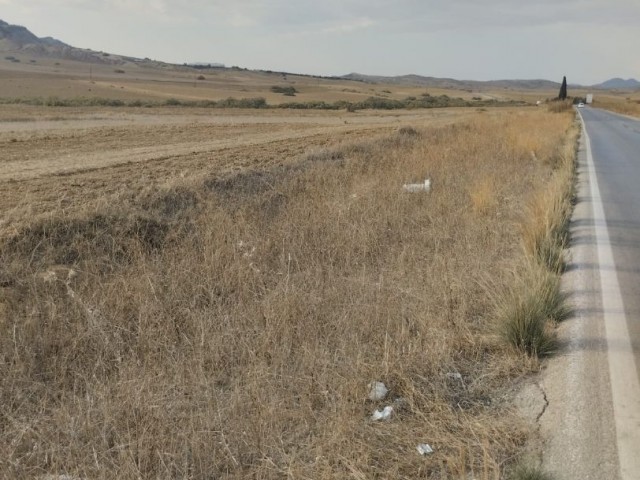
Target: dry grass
[69,80]
[626,106]
[526,313]
[560,106]
[528,310]
[483,195]
[529,472]
[228,328]
[545,235]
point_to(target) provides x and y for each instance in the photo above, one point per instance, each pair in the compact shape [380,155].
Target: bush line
[371,103]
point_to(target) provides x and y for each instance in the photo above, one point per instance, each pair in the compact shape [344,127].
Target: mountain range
[619,84]
[434,82]
[14,38]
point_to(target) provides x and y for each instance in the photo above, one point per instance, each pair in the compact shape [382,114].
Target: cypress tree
[563,89]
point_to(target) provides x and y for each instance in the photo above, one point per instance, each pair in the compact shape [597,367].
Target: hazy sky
[587,40]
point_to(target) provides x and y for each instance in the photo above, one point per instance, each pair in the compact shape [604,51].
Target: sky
[589,41]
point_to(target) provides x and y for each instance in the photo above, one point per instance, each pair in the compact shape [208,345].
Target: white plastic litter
[384,414]
[424,449]
[377,391]
[418,187]
[58,477]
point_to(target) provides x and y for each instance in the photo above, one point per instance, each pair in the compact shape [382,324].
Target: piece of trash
[454,375]
[58,477]
[384,414]
[377,391]
[418,187]
[424,449]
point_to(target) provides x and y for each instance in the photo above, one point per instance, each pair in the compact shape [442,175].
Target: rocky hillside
[15,38]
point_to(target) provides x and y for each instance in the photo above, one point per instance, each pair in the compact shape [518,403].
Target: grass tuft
[483,194]
[528,472]
[527,313]
[523,323]
[408,130]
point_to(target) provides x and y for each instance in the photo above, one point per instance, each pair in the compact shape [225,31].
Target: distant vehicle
[581,105]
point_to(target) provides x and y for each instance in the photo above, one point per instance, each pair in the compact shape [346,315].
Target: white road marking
[625,387]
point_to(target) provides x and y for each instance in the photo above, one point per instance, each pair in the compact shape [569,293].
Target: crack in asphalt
[546,403]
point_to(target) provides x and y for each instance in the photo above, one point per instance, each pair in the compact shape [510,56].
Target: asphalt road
[591,426]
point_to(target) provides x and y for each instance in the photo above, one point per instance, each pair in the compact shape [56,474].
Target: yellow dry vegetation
[627,105]
[227,324]
[68,79]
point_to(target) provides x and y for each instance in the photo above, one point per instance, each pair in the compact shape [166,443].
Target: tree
[563,89]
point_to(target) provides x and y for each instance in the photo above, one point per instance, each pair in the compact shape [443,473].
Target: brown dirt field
[69,79]
[56,157]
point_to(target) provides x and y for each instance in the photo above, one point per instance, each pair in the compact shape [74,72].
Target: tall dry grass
[626,106]
[560,106]
[528,311]
[229,328]
[545,235]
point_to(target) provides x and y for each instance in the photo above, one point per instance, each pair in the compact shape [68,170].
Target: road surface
[591,426]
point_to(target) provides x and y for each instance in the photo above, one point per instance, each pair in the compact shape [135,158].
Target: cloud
[350,26]
[400,15]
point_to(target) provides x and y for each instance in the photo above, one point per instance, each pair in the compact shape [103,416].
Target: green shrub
[230,102]
[288,91]
[528,472]
[526,313]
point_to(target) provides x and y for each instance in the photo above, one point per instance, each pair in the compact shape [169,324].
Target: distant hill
[619,84]
[15,38]
[434,82]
